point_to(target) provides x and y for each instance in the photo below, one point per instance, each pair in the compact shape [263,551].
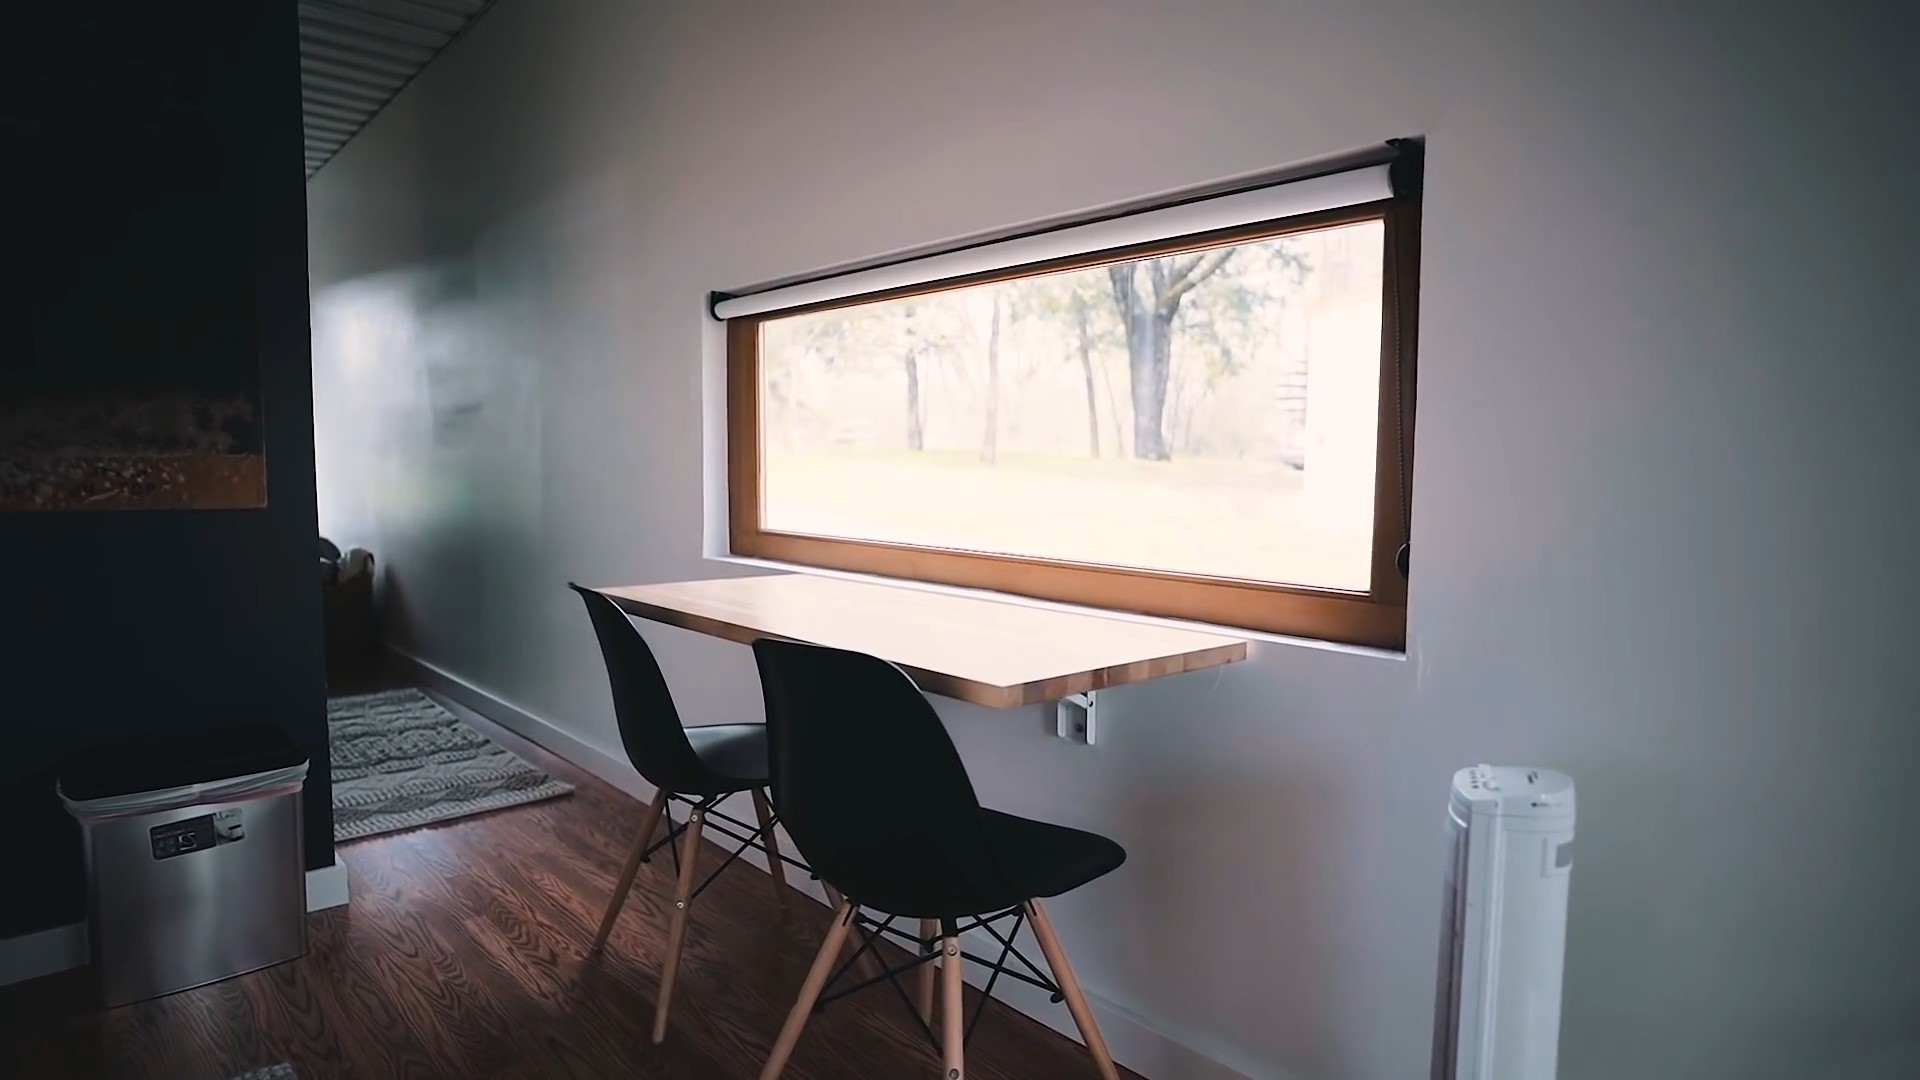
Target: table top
[984,651]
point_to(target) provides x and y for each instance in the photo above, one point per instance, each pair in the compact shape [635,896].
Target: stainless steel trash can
[196,869]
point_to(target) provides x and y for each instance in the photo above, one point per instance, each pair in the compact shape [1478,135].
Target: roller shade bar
[1350,181]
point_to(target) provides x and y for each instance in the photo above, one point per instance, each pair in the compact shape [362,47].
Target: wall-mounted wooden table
[983,651]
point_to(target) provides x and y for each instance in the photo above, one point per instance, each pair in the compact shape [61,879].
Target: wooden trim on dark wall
[1374,618]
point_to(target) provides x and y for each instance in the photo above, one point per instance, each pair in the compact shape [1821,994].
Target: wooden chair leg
[871,963]
[929,930]
[649,820]
[776,869]
[677,929]
[1070,989]
[823,962]
[953,1015]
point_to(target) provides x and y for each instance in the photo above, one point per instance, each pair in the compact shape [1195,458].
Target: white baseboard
[442,683]
[62,948]
[1134,1041]
[327,887]
[30,956]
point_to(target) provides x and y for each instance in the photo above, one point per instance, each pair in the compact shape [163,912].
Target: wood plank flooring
[461,954]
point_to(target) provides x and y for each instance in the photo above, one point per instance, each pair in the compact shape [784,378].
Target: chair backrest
[650,728]
[867,781]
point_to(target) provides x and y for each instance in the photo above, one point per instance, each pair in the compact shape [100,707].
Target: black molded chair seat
[1032,859]
[690,761]
[876,798]
[735,751]
[698,766]
[1042,859]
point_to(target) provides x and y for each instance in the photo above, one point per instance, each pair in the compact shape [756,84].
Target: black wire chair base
[866,928]
[704,806]
[929,951]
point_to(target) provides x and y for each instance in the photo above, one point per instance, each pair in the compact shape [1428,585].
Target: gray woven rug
[271,1072]
[400,761]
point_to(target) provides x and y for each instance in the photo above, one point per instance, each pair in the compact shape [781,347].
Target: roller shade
[1332,191]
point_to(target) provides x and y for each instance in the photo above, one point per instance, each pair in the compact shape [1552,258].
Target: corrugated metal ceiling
[355,55]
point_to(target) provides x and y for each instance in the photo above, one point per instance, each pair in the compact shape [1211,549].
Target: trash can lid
[178,759]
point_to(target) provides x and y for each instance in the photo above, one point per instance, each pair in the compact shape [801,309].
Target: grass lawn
[1226,518]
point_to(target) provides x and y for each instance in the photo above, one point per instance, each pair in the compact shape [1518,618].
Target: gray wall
[1661,482]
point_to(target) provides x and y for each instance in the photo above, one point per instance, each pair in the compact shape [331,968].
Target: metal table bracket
[1073,717]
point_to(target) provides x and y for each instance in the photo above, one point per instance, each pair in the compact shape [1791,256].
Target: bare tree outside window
[1209,412]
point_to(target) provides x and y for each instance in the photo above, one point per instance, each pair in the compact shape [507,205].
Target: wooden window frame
[1375,617]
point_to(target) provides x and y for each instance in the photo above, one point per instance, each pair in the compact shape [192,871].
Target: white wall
[1662,491]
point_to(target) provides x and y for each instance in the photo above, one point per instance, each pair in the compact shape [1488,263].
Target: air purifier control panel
[178,838]
[182,837]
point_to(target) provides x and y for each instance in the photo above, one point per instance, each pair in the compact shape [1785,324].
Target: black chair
[876,799]
[695,765]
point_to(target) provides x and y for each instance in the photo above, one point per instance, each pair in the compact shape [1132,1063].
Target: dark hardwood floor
[461,954]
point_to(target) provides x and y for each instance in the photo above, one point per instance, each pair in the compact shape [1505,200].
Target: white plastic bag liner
[258,785]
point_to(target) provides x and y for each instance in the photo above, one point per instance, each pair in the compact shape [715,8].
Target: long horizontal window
[1207,425]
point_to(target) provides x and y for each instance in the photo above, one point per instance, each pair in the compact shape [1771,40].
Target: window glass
[1210,413]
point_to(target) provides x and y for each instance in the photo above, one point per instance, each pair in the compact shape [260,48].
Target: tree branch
[1193,273]
[1181,268]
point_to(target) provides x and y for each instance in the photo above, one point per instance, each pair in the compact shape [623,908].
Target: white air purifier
[1503,931]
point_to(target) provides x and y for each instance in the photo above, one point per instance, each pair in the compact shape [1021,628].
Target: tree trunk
[990,442]
[916,427]
[1149,357]
[1086,374]
[1149,323]
[1149,362]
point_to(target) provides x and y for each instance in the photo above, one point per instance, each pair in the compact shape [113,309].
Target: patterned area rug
[400,761]
[271,1072]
